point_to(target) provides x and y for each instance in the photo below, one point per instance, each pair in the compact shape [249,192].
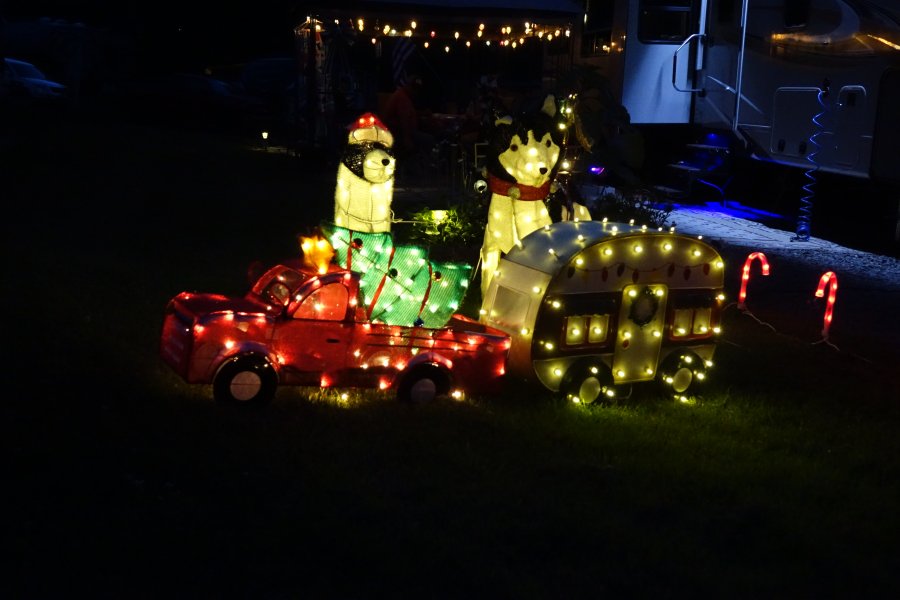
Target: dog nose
[385,161]
[543,170]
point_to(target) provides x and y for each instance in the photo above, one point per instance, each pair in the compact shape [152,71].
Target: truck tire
[588,381]
[248,379]
[682,373]
[423,384]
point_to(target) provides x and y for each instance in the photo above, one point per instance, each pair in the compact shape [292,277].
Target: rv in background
[771,72]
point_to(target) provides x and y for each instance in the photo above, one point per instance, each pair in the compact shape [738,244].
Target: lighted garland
[399,284]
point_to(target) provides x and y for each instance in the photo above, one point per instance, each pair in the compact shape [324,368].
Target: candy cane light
[745,276]
[827,278]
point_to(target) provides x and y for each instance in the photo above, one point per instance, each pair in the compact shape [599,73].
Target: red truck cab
[298,327]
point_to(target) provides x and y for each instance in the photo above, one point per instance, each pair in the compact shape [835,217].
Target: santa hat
[369,128]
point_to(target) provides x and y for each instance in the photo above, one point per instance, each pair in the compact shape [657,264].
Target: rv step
[708,147]
[669,191]
[682,167]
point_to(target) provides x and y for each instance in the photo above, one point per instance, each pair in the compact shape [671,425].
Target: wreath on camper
[644,307]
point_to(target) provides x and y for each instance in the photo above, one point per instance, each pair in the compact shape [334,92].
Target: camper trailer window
[664,21]
[510,308]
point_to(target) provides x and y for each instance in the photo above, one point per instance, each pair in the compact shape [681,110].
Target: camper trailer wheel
[423,384]
[587,382]
[682,373]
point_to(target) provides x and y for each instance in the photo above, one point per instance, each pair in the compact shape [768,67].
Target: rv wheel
[682,373]
[587,382]
[246,379]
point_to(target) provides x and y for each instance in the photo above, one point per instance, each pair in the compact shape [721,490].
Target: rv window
[796,13]
[510,308]
[597,33]
[664,21]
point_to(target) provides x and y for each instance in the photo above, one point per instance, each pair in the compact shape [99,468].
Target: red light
[828,278]
[745,276]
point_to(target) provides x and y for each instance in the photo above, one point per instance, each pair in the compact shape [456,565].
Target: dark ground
[125,482]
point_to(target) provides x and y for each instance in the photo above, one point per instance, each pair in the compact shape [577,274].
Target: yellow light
[455,35]
[720,297]
[360,24]
[620,373]
[607,251]
[265,135]
[610,393]
[667,246]
[536,290]
[656,333]
[626,335]
[548,345]
[688,359]
[561,127]
[648,371]
[457,394]
[579,261]
[701,376]
[425,44]
[386,29]
[669,380]
[632,293]
[413,24]
[719,264]
[597,331]
[576,331]
[557,372]
[696,252]
[447,49]
[717,330]
[594,370]
[660,293]
[709,363]
[481,27]
[524,331]
[344,397]
[468,44]
[555,304]
[638,249]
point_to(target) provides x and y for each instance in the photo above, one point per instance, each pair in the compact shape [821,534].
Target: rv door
[660,34]
[721,78]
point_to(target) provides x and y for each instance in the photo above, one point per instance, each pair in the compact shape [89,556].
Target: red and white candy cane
[745,277]
[828,277]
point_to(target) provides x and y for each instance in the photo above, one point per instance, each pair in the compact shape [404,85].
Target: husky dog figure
[521,161]
[365,178]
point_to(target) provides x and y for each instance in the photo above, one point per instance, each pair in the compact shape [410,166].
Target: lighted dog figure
[522,156]
[365,179]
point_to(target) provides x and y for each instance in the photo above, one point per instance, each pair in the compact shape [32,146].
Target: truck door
[317,334]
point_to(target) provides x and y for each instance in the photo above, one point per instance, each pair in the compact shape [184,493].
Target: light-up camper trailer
[593,307]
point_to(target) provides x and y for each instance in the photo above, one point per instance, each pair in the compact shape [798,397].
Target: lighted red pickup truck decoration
[299,327]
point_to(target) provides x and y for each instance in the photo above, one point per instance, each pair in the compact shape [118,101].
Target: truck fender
[430,358]
[243,349]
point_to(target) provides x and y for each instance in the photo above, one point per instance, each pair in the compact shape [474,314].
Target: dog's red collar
[526,192]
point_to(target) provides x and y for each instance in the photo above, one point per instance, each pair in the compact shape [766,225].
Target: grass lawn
[782,480]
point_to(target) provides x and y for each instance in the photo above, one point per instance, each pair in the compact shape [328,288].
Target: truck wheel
[588,381]
[423,384]
[681,373]
[245,380]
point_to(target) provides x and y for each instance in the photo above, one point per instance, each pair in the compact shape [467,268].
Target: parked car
[197,98]
[23,79]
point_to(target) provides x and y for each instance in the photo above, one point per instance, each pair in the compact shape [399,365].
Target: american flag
[402,50]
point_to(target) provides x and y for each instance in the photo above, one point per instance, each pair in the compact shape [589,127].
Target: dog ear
[549,107]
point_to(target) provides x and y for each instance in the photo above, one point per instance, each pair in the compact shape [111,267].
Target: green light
[416,278]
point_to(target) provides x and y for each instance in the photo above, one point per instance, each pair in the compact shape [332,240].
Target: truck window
[328,303]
